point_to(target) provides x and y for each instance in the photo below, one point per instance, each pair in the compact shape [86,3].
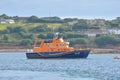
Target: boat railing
[29,50]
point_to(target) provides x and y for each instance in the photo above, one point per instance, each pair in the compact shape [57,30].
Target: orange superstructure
[55,45]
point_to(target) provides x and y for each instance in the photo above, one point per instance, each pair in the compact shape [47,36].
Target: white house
[6,21]
[114,31]
[94,32]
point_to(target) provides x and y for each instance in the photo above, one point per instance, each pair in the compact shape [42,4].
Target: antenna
[56,35]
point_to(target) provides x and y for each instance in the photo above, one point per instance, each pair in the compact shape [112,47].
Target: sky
[88,9]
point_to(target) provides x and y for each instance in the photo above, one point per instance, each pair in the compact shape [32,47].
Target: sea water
[15,66]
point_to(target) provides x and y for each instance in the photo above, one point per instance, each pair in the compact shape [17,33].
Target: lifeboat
[55,48]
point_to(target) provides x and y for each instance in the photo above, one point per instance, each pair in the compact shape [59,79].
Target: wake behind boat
[55,48]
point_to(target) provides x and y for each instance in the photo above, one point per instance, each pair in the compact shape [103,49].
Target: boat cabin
[55,45]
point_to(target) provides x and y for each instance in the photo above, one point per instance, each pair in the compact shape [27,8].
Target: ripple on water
[15,66]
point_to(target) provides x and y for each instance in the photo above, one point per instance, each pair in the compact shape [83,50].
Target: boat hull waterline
[70,54]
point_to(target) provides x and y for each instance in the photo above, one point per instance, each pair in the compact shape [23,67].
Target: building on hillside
[114,31]
[94,32]
[73,22]
[96,21]
[6,21]
[21,19]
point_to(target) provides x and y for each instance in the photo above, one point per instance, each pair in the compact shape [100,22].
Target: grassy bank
[29,25]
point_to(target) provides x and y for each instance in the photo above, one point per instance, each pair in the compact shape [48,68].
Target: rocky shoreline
[93,50]
[13,50]
[105,51]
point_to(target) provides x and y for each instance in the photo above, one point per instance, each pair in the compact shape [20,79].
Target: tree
[42,36]
[82,24]
[70,19]
[4,16]
[6,37]
[33,19]
[41,28]
[77,41]
[54,19]
[106,40]
[26,42]
[61,29]
[17,29]
[50,35]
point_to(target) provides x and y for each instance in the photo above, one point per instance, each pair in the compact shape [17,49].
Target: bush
[77,41]
[107,40]
[41,28]
[26,42]
[42,36]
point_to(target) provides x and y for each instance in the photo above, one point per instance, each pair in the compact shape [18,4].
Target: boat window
[50,45]
[57,44]
[47,41]
[61,45]
[38,44]
[67,45]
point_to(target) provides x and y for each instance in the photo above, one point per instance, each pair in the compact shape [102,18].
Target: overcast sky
[108,9]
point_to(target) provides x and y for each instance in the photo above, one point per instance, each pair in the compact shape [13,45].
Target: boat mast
[56,35]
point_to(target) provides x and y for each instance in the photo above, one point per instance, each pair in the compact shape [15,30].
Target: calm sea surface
[15,66]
